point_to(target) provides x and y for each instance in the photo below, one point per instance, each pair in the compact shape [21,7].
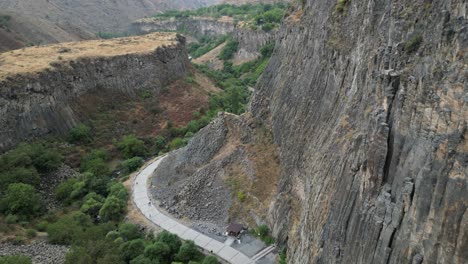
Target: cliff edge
[39,85]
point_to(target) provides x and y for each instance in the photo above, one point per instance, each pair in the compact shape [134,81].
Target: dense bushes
[80,134]
[205,44]
[131,165]
[22,200]
[18,259]
[26,162]
[130,146]
[229,50]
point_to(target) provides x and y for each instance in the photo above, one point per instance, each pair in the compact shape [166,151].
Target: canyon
[354,147]
[41,84]
[250,40]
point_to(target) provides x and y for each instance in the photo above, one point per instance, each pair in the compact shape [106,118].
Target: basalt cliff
[365,103]
[42,85]
[250,40]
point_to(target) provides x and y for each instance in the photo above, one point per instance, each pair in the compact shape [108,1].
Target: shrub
[118,190]
[18,240]
[92,204]
[160,143]
[171,240]
[241,196]
[11,219]
[263,230]
[95,162]
[68,229]
[78,255]
[80,134]
[129,232]
[176,143]
[267,50]
[131,146]
[31,233]
[64,189]
[19,175]
[158,251]
[145,94]
[229,50]
[340,6]
[42,225]
[22,200]
[188,251]
[131,249]
[16,259]
[131,165]
[413,43]
[141,260]
[112,209]
[210,260]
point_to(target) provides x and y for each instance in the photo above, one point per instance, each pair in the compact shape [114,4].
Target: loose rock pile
[39,250]
[51,181]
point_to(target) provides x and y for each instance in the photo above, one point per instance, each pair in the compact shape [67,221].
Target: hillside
[50,21]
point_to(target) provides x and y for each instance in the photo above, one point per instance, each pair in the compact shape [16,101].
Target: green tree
[188,251]
[210,260]
[22,200]
[131,249]
[80,134]
[64,189]
[131,165]
[95,162]
[118,190]
[27,175]
[160,143]
[129,232]
[78,255]
[112,209]
[158,251]
[131,146]
[229,50]
[92,204]
[171,240]
[141,260]
[16,259]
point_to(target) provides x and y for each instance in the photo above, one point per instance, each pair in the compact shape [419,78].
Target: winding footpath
[142,200]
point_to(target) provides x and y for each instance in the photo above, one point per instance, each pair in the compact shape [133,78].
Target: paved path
[142,201]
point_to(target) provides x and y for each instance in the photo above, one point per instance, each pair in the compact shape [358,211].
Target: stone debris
[39,250]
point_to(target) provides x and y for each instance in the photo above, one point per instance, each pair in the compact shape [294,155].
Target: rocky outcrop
[250,40]
[38,100]
[193,26]
[367,103]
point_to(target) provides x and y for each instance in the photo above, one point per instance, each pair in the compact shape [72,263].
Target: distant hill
[32,22]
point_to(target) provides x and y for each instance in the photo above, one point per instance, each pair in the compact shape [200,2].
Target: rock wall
[196,26]
[38,104]
[249,40]
[368,104]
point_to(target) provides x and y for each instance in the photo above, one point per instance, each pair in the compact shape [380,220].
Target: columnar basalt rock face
[194,26]
[39,102]
[368,104]
[250,41]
